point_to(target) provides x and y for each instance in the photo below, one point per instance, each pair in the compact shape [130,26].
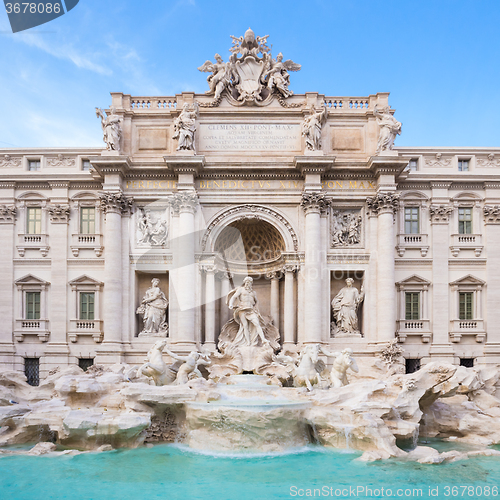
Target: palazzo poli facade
[299,192]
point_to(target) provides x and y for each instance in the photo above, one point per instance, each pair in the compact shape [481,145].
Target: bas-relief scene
[249,296]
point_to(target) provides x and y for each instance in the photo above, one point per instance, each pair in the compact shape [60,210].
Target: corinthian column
[275,297]
[184,274]
[209,306]
[384,206]
[289,309]
[314,264]
[113,205]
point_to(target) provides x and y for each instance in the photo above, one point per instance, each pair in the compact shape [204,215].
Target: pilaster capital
[383,203]
[184,202]
[314,202]
[208,268]
[273,275]
[115,203]
[491,214]
[224,275]
[440,214]
[290,268]
[7,214]
[59,214]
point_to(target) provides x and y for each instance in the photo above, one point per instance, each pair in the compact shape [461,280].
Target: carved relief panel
[345,228]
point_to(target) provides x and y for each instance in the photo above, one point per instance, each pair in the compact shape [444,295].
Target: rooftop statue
[185,127]
[389,129]
[251,75]
[311,128]
[111,128]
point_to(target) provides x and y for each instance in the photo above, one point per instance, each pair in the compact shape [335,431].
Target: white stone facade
[418,228]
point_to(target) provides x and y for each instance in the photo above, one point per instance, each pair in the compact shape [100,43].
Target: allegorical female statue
[389,129]
[311,129]
[153,309]
[345,307]
[111,128]
[185,127]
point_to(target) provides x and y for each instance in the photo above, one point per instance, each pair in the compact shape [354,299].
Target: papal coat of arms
[251,76]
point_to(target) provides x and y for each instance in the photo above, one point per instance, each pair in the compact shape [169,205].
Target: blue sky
[440,60]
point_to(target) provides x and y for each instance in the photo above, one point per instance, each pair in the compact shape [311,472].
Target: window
[412,305]
[412,217]
[86,165]
[85,363]
[463,165]
[467,362]
[87,300]
[412,365]
[413,164]
[34,165]
[87,220]
[465,305]
[34,220]
[32,305]
[32,370]
[465,220]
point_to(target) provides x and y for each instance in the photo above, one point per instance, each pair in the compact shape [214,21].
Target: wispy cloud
[62,49]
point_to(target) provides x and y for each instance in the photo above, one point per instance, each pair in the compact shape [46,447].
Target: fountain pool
[175,472]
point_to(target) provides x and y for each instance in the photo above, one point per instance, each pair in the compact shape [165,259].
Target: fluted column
[314,264]
[209,306]
[184,274]
[289,306]
[225,312]
[384,206]
[275,297]
[113,205]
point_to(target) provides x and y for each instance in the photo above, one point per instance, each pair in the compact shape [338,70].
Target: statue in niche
[389,129]
[152,230]
[111,128]
[277,76]
[243,300]
[220,78]
[345,308]
[345,228]
[188,370]
[185,127]
[311,128]
[153,309]
[343,361]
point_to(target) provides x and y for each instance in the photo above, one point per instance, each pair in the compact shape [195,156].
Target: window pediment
[30,279]
[468,280]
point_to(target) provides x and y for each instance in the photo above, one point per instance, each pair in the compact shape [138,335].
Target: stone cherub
[111,128]
[389,129]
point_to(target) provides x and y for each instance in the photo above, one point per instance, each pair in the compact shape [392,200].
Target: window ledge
[85,327]
[33,241]
[412,241]
[39,327]
[84,241]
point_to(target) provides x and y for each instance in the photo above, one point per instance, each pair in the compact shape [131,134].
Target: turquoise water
[172,472]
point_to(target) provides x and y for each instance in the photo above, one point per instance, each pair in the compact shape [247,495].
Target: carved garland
[254,210]
[9,161]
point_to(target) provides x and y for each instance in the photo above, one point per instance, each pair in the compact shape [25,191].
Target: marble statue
[243,300]
[389,129]
[277,77]
[220,78]
[153,309]
[309,367]
[342,362]
[311,128]
[152,230]
[185,127]
[345,228]
[111,129]
[155,367]
[345,307]
[189,368]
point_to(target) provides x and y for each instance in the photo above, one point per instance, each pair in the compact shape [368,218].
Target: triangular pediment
[29,279]
[85,280]
[414,280]
[468,280]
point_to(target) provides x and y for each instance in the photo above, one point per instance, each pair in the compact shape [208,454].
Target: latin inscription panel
[249,137]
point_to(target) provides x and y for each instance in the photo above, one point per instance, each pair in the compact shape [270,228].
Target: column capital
[8,214]
[383,203]
[224,275]
[440,214]
[59,214]
[115,203]
[290,268]
[314,202]
[273,275]
[184,202]
[208,268]
[491,214]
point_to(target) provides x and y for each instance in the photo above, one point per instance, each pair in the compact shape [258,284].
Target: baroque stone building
[298,191]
